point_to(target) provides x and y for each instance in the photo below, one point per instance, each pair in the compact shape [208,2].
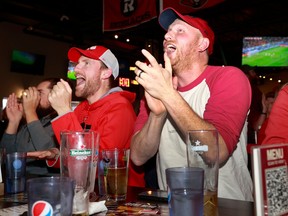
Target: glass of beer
[115,164]
[78,156]
[203,152]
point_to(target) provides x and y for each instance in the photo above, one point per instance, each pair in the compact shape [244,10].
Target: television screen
[28,63]
[265,51]
[70,71]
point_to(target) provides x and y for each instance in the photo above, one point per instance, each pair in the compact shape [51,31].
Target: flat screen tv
[265,51]
[70,71]
[27,62]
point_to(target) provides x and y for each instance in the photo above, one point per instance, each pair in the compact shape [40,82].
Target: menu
[270,177]
[135,208]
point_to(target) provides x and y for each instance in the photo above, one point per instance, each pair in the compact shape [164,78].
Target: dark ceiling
[81,24]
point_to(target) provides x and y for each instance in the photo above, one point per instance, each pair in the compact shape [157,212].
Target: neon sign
[124,82]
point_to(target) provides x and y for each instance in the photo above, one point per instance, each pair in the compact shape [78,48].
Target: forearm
[42,137]
[187,119]
[145,143]
[12,127]
[260,121]
[8,142]
[31,116]
[67,121]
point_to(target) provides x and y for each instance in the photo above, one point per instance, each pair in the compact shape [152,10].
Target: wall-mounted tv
[27,62]
[265,51]
[70,71]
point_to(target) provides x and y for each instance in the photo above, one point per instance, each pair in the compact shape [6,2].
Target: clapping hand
[14,110]
[31,100]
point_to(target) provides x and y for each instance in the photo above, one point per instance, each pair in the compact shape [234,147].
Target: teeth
[171,47]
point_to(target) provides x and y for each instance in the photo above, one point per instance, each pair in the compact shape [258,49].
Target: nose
[77,67]
[168,36]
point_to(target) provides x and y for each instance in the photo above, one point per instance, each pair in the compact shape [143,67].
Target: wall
[12,37]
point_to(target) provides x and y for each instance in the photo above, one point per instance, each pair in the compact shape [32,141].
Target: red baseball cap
[98,53]
[169,15]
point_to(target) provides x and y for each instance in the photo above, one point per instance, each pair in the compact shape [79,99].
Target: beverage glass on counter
[15,172]
[203,152]
[185,190]
[50,196]
[1,160]
[113,173]
[78,156]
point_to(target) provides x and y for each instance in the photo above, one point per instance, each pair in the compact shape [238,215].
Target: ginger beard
[181,57]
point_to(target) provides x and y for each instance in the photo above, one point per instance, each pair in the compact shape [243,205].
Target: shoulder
[284,88]
[226,71]
[226,75]
[121,97]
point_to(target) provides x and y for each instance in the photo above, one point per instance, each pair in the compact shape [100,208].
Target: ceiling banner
[123,14]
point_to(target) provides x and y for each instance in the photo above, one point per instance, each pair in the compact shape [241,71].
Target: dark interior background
[80,24]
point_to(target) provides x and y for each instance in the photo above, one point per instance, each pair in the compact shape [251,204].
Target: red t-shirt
[277,125]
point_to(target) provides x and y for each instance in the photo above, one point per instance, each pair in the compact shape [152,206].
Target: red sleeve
[276,130]
[229,103]
[68,121]
[142,116]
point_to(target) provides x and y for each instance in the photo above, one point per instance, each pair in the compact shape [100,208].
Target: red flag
[120,14]
[188,6]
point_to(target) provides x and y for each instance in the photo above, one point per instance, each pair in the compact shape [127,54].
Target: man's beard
[90,88]
[42,112]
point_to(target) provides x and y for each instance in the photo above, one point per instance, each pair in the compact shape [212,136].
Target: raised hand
[14,110]
[31,99]
[60,97]
[156,80]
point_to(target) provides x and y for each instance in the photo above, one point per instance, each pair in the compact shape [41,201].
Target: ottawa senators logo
[196,4]
[128,7]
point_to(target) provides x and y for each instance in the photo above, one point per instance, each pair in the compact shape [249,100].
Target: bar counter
[226,207]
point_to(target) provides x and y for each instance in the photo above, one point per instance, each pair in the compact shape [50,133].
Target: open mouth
[170,48]
[80,80]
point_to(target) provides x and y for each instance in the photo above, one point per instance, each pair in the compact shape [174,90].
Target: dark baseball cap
[169,15]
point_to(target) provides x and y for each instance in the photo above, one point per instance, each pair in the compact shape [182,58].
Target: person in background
[29,124]
[188,94]
[256,103]
[277,124]
[267,103]
[106,109]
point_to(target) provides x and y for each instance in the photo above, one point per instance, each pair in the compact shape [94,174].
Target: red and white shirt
[221,96]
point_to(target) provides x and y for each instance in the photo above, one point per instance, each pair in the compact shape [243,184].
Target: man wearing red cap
[188,94]
[105,109]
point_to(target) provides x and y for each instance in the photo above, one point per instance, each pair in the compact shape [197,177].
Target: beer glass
[79,155]
[113,173]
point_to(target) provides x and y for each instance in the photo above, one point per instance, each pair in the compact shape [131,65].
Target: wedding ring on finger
[139,75]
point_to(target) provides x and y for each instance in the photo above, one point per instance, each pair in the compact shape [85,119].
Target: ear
[204,44]
[106,73]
